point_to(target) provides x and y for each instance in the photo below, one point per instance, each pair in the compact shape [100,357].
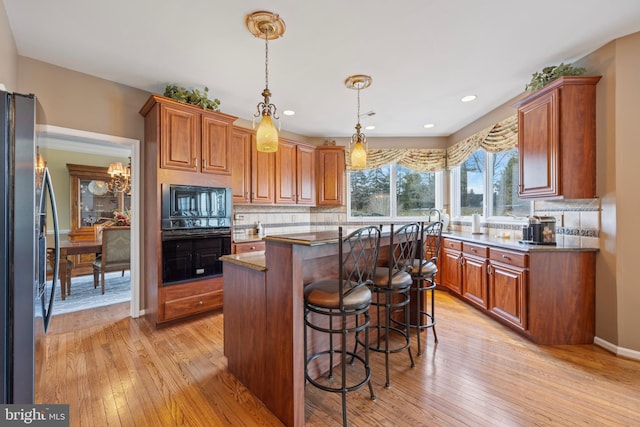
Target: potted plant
[551,73]
[193,97]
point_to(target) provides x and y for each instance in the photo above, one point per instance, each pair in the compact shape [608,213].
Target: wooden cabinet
[508,278]
[263,176]
[241,165]
[244,247]
[186,145]
[547,294]
[451,265]
[474,273]
[192,139]
[90,203]
[295,173]
[557,140]
[330,175]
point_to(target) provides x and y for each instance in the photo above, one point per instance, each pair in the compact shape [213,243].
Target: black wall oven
[196,232]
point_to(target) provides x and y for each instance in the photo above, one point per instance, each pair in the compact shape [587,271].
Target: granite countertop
[510,241]
[253,260]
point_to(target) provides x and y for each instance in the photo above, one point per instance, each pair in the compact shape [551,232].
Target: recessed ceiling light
[288,112]
[468,98]
[429,125]
[370,127]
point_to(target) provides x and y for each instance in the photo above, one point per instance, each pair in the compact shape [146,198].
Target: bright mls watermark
[34,415]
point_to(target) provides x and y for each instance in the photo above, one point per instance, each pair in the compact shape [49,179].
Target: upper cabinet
[330,168]
[295,173]
[192,139]
[557,140]
[241,165]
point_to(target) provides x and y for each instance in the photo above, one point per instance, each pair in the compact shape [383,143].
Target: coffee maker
[541,230]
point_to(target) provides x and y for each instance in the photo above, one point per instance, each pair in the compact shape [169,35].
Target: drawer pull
[253,248]
[506,257]
[200,302]
[473,250]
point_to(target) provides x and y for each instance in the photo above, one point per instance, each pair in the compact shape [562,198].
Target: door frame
[75,140]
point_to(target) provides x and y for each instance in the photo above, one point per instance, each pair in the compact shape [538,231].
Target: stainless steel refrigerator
[25,295]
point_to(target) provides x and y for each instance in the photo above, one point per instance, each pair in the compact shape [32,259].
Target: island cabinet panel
[547,294]
[330,175]
[557,140]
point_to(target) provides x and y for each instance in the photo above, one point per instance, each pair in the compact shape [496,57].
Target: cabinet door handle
[204,163]
[195,162]
[489,269]
[200,302]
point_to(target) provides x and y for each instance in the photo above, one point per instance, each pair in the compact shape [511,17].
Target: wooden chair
[116,253]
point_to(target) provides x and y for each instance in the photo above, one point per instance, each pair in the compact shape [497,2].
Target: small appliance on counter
[541,230]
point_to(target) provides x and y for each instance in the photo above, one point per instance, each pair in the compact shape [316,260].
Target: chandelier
[120,178]
[270,26]
[358,145]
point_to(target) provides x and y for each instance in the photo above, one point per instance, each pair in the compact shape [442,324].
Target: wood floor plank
[118,371]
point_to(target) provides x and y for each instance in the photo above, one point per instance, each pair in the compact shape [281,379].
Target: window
[495,171]
[392,192]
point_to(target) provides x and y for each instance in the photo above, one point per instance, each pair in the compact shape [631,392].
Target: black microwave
[191,206]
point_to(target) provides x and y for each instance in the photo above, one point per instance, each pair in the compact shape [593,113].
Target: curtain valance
[416,159]
[502,136]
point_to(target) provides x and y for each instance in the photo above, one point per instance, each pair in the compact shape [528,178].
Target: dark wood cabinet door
[306,175]
[474,280]
[216,149]
[241,165]
[180,137]
[539,147]
[285,190]
[330,175]
[451,270]
[263,167]
[508,293]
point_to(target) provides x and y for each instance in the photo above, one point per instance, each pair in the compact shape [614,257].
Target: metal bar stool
[391,295]
[423,274]
[341,307]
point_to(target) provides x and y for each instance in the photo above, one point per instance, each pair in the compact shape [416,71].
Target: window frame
[439,193]
[487,200]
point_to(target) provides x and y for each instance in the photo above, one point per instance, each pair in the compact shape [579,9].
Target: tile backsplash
[577,221]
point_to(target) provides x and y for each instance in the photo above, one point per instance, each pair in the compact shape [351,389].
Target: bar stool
[391,294]
[423,274]
[344,301]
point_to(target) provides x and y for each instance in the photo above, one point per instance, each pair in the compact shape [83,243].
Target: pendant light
[358,145]
[269,26]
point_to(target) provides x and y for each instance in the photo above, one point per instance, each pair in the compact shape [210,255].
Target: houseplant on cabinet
[548,74]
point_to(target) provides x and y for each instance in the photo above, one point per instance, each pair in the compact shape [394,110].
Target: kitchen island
[264,303]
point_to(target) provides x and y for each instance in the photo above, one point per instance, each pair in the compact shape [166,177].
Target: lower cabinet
[547,294]
[240,248]
[474,273]
[508,279]
[186,299]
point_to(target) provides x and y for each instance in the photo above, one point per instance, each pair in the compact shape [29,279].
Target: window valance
[502,136]
[416,159]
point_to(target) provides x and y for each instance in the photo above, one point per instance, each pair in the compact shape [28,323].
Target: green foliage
[551,73]
[193,97]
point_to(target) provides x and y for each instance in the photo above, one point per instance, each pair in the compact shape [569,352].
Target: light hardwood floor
[118,371]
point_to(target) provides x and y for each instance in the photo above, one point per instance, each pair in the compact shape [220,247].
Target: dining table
[77,247]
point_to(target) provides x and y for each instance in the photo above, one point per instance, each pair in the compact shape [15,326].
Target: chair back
[431,238]
[403,246]
[358,255]
[116,246]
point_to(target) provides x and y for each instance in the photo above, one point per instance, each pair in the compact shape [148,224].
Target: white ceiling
[423,55]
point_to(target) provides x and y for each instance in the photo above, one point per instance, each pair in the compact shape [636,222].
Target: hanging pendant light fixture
[269,26]
[358,144]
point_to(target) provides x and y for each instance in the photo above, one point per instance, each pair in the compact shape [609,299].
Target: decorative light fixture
[358,144]
[120,178]
[270,26]
[40,163]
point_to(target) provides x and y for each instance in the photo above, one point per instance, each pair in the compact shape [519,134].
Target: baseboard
[618,351]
